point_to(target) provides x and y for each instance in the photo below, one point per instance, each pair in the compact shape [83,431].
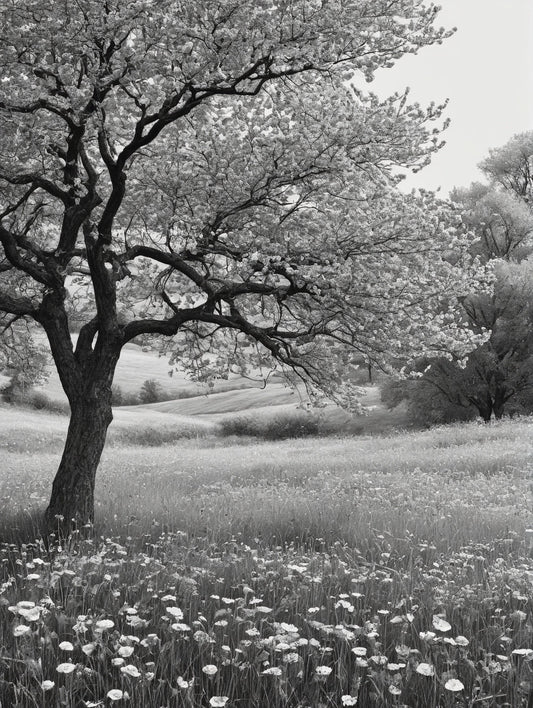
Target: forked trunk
[72,501]
[484,406]
[499,403]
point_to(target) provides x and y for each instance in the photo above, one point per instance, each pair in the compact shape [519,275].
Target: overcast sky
[486,70]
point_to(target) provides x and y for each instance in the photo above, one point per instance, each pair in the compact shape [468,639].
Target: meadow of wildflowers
[312,573]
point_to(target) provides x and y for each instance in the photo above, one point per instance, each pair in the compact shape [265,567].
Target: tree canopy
[213,172]
[511,166]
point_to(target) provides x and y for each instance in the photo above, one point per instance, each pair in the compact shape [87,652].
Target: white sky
[486,70]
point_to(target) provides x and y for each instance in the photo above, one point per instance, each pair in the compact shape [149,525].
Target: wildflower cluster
[204,624]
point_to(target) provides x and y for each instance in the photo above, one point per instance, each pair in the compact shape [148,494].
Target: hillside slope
[228,401]
[191,404]
[137,365]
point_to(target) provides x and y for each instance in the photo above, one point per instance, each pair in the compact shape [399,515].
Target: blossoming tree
[212,172]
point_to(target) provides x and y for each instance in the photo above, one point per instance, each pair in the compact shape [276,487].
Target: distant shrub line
[282,426]
[157,437]
[296,424]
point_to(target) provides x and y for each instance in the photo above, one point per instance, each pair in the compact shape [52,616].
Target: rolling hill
[195,407]
[137,365]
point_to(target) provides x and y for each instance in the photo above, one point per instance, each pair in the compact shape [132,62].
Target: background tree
[201,171]
[151,391]
[511,166]
[498,376]
[501,221]
[22,360]
[426,405]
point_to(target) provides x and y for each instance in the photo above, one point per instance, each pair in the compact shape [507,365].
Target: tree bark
[72,500]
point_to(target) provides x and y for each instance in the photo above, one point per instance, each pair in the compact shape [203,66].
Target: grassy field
[372,571]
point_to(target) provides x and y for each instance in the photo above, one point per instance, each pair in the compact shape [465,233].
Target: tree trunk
[484,407]
[486,414]
[72,500]
[499,411]
[499,403]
